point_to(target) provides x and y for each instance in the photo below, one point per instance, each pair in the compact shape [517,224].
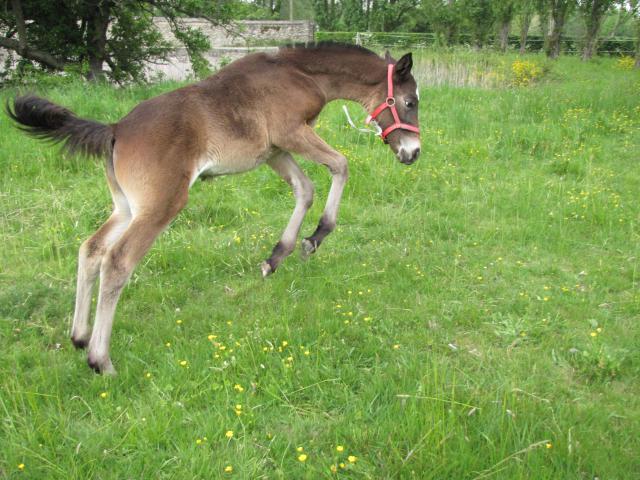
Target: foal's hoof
[105,368]
[80,343]
[308,247]
[266,269]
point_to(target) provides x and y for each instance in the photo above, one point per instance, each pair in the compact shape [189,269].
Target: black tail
[43,119]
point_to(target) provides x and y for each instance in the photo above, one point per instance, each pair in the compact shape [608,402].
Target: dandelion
[104,395]
[212,337]
[148,375]
[238,387]
[198,441]
[339,448]
[168,344]
[352,458]
[306,352]
[21,466]
[229,434]
[396,346]
[299,449]
[341,465]
[183,363]
[179,322]
[333,468]
[284,343]
[599,329]
[228,469]
[302,457]
[549,445]
[594,334]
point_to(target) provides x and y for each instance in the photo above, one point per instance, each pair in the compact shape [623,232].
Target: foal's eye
[410,103]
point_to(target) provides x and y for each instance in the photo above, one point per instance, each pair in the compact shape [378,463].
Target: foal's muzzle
[408,156]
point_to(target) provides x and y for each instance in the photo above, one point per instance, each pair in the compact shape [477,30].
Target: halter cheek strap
[390,103]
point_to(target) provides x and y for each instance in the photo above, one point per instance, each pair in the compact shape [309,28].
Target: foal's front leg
[285,166]
[311,146]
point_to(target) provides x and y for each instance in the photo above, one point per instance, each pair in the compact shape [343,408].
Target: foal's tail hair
[43,119]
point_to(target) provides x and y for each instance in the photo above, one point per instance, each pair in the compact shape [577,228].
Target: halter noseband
[390,103]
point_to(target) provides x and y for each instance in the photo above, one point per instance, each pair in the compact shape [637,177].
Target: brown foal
[259,109]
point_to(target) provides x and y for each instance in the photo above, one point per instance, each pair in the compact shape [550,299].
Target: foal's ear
[387,57]
[403,67]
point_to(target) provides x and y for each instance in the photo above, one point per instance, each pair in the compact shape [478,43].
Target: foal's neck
[350,74]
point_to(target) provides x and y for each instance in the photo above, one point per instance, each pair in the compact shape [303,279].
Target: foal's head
[397,113]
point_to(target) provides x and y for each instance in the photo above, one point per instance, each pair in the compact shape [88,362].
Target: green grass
[448,321]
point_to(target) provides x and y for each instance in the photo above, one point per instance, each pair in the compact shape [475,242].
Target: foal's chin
[407,150]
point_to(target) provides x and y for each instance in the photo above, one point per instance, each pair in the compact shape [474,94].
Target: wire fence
[617,46]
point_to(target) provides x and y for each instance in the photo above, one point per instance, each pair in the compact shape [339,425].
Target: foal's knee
[339,167]
[306,193]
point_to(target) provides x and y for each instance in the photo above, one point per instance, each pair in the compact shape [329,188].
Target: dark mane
[335,58]
[328,45]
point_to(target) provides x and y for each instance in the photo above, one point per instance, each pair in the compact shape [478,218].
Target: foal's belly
[214,164]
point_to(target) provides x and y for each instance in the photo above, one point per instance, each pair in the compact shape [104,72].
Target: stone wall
[247,32]
[228,43]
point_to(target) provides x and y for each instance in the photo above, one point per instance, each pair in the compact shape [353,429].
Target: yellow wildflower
[302,457]
[21,466]
[104,395]
[229,434]
[340,448]
[352,458]
[228,469]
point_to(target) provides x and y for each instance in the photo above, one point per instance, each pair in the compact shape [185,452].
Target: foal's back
[249,103]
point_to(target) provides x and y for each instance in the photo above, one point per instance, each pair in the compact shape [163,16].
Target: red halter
[390,103]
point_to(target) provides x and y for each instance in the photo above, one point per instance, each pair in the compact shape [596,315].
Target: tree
[479,19]
[443,18]
[559,11]
[504,12]
[86,34]
[593,12]
[525,10]
[635,10]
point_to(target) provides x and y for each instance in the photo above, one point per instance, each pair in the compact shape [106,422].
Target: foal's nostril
[416,154]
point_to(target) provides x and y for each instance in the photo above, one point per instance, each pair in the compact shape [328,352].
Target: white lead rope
[377,130]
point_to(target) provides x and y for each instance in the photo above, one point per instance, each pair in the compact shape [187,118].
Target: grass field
[475,315]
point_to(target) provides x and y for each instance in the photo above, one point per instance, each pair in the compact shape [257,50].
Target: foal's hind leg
[89,259]
[284,164]
[120,260]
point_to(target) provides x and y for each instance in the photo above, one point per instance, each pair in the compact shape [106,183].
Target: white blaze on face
[418,92]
